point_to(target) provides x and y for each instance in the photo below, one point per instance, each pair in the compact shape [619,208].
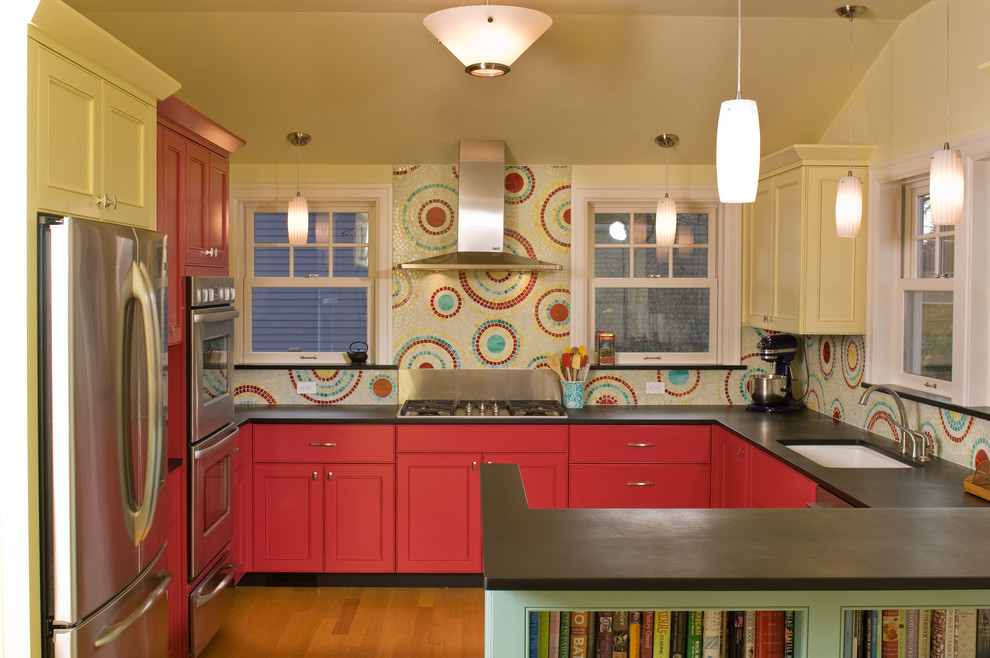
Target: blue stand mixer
[774,393]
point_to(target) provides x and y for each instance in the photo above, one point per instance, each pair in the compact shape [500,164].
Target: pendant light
[298,219]
[737,142]
[666,219]
[849,195]
[945,184]
[487,38]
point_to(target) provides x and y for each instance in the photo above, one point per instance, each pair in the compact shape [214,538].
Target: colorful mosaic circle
[955,424]
[979,453]
[928,428]
[838,412]
[553,312]
[497,291]
[381,386]
[825,360]
[681,383]
[427,217]
[813,399]
[609,390]
[332,386]
[555,215]
[402,287]
[251,394]
[445,302]
[496,343]
[427,352]
[852,362]
[519,184]
[881,414]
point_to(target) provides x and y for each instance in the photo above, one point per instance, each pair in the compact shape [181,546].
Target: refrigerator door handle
[139,515]
[111,633]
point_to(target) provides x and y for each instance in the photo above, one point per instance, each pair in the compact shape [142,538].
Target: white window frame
[724,230]
[377,200]
[971,280]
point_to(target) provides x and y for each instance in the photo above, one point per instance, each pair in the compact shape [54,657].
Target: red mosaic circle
[553,313]
[514,182]
[251,389]
[435,216]
[382,387]
[555,215]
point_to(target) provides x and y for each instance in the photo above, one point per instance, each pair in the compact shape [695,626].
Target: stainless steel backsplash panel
[465,384]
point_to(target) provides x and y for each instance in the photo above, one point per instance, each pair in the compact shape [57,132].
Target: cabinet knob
[113,203]
[102,200]
[329,476]
[474,466]
[316,476]
[742,452]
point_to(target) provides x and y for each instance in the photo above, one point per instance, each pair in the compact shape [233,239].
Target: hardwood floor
[366,622]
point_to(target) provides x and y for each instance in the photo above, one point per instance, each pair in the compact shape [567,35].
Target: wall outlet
[305,387]
[654,388]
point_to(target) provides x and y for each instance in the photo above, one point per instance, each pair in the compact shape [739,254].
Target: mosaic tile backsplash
[515,320]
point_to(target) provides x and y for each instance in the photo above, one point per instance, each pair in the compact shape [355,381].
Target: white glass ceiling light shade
[849,195]
[737,142]
[946,187]
[298,216]
[666,217]
[487,38]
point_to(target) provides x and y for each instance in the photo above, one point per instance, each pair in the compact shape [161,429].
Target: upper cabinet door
[129,127]
[205,228]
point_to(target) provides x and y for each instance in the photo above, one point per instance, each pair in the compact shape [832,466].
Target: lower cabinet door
[776,485]
[288,517]
[359,514]
[639,485]
[438,522]
[544,476]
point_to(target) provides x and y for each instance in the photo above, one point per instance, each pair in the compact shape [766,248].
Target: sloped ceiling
[372,86]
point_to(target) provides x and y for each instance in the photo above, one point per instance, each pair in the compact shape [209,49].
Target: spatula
[565,362]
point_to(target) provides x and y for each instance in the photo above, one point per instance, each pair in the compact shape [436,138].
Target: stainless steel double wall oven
[211,454]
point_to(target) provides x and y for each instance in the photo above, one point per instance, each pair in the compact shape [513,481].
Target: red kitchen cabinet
[178,627]
[171,172]
[652,466]
[544,476]
[774,484]
[205,233]
[438,512]
[288,517]
[242,503]
[732,454]
[359,518]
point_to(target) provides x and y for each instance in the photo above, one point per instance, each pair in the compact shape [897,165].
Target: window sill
[706,366]
[937,401]
[315,366]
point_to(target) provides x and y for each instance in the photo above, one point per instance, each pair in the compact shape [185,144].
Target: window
[926,285]
[665,305]
[309,303]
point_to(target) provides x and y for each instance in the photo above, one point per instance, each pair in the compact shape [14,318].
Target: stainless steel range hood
[480,217]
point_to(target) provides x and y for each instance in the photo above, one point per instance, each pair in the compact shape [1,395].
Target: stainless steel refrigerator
[102,292]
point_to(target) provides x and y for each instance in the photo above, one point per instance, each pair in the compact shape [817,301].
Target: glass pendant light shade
[666,222]
[487,38]
[298,219]
[946,187]
[737,151]
[849,206]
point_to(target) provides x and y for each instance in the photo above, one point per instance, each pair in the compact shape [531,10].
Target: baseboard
[362,580]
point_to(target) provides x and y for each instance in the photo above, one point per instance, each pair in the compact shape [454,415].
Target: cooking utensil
[357,356]
[767,390]
[565,362]
[553,365]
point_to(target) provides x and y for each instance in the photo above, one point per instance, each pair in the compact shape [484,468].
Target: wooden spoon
[553,365]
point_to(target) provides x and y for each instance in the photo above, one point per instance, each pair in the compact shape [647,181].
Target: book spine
[554,645]
[889,645]
[695,634]
[950,633]
[579,635]
[534,634]
[678,634]
[912,619]
[749,635]
[661,634]
[604,642]
[983,633]
[620,634]
[848,648]
[592,634]
[869,648]
[635,633]
[788,634]
[736,634]
[711,634]
[965,632]
[769,634]
[565,634]
[544,634]
[938,633]
[649,621]
[925,634]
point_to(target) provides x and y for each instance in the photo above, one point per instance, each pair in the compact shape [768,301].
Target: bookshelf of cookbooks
[753,624]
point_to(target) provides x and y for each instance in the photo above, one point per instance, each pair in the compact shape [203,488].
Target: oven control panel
[205,291]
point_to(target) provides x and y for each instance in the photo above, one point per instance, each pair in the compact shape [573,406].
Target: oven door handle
[217,315]
[215,444]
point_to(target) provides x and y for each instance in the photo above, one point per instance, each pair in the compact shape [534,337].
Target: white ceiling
[372,86]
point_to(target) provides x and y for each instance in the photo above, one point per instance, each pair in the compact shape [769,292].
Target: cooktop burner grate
[482,408]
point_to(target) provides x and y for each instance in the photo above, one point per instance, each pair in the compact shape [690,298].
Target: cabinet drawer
[632,485]
[324,443]
[481,438]
[641,443]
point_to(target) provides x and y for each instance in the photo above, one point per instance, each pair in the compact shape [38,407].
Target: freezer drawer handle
[203,599]
[111,633]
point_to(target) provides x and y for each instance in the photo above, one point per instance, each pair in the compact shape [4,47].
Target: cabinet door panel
[734,460]
[128,146]
[171,173]
[640,443]
[774,484]
[217,227]
[360,518]
[288,517]
[323,443]
[197,205]
[544,476]
[650,486]
[438,525]
[481,438]
[759,260]
[788,250]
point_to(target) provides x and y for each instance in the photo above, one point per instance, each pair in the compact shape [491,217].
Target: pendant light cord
[946,74]
[850,93]
[666,174]
[739,54]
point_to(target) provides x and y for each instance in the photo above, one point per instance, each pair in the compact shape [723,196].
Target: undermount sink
[845,455]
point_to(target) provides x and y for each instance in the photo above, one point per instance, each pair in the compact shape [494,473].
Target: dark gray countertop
[936,484]
[716,549]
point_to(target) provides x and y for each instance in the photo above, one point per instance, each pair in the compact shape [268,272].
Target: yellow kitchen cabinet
[799,275]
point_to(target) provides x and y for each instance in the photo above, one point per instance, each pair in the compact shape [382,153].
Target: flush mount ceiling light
[945,184]
[298,220]
[487,38]
[737,142]
[666,218]
[849,195]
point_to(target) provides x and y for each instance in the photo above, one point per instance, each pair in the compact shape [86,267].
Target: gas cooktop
[465,409]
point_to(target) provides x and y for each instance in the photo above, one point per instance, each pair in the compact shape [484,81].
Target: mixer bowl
[769,390]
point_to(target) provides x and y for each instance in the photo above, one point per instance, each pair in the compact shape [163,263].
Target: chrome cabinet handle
[329,475]
[113,203]
[640,445]
[639,484]
[316,444]
[474,466]
[316,476]
[102,201]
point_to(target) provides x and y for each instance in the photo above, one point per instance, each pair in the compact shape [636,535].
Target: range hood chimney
[481,217]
